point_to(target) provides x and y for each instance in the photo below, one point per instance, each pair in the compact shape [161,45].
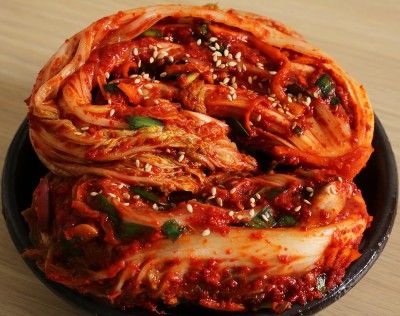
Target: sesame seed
[135,51]
[290,99]
[156,102]
[215,58]
[121,186]
[112,112]
[140,91]
[162,55]
[155,54]
[151,60]
[250,79]
[332,190]
[126,204]
[139,63]
[234,85]
[238,55]
[234,96]
[309,189]
[240,217]
[232,63]
[258,196]
[226,80]
[206,232]
[126,195]
[213,48]
[214,76]
[298,208]
[168,150]
[148,85]
[213,39]
[230,56]
[231,213]
[340,179]
[217,46]
[273,73]
[85,128]
[107,75]
[271,98]
[181,157]
[258,118]
[307,202]
[222,66]
[146,76]
[137,80]
[112,195]
[163,74]
[155,207]
[244,67]
[78,133]
[315,94]
[199,42]
[252,200]
[260,65]
[171,59]
[216,53]
[233,190]
[136,197]
[229,97]
[308,101]
[213,191]
[252,213]
[226,52]
[137,163]
[93,193]
[148,167]
[189,208]
[218,63]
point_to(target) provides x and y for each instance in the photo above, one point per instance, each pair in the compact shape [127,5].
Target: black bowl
[378,182]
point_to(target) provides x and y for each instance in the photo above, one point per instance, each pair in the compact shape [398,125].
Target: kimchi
[197,155]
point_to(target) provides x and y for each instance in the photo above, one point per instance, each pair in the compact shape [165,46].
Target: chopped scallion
[325,83]
[335,100]
[149,196]
[204,29]
[171,229]
[237,127]
[286,221]
[111,87]
[152,33]
[137,122]
[263,219]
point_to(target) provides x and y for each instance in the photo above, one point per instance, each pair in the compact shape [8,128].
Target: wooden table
[361,35]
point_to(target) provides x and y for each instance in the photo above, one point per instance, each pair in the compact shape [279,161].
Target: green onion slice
[325,83]
[137,122]
[149,196]
[237,127]
[152,33]
[132,230]
[286,221]
[204,29]
[297,130]
[123,229]
[172,230]
[335,100]
[263,219]
[111,87]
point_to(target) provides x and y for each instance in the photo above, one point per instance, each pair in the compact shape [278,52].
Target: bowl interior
[377,181]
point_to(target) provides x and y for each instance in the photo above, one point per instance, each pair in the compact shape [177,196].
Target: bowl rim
[357,270]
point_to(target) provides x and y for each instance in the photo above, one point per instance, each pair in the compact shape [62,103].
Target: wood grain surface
[363,36]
